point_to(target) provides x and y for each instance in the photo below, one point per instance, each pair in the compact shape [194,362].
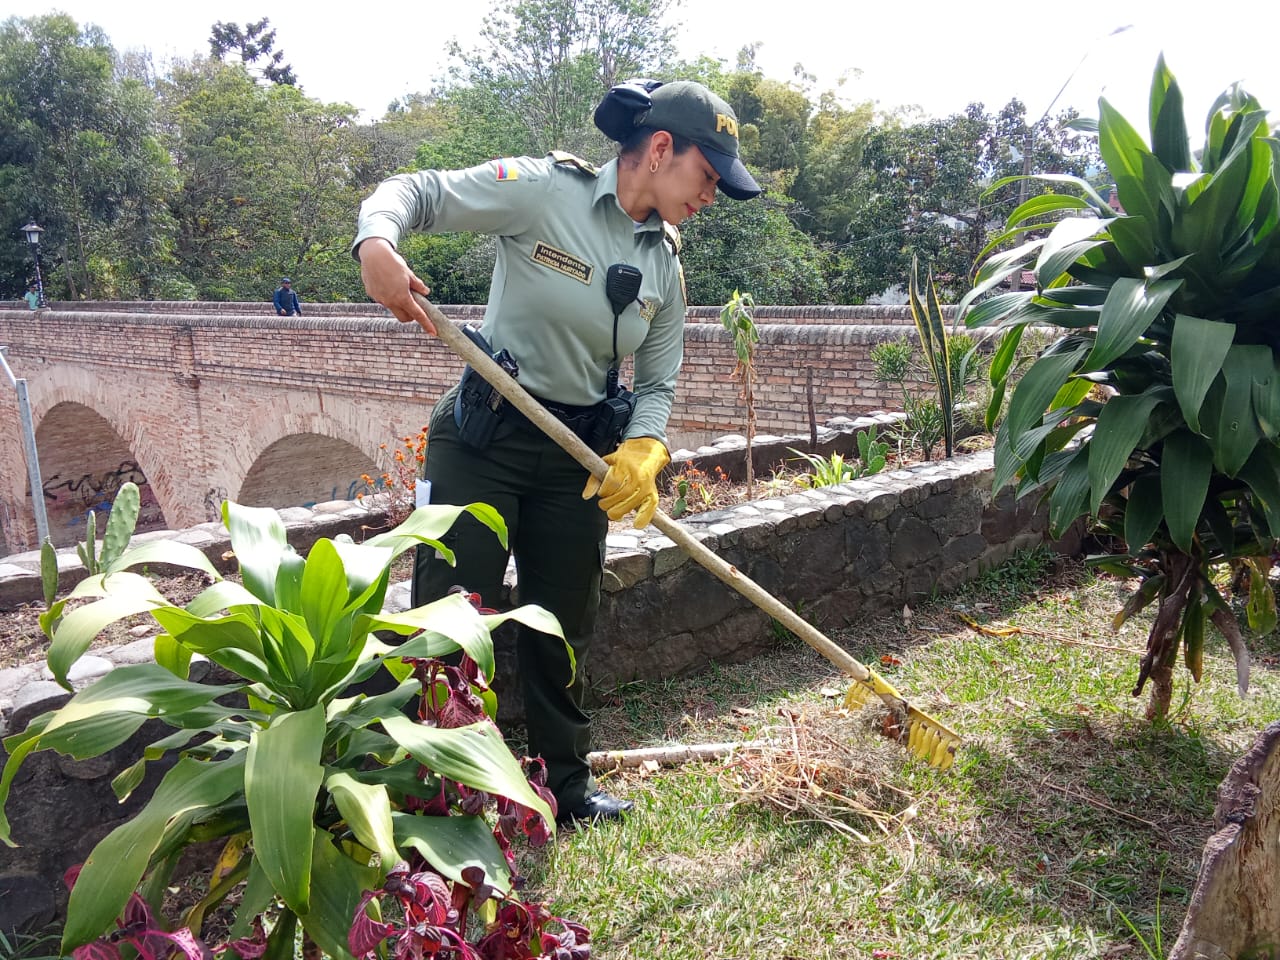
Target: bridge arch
[90,441]
[315,450]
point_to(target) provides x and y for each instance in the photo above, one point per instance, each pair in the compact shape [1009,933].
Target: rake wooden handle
[568,441]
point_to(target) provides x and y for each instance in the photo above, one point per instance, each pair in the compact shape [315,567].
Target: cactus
[48,571]
[88,551]
[120,525]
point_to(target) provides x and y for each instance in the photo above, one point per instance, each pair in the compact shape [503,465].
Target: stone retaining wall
[839,553]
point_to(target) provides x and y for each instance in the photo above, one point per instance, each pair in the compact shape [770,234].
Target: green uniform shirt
[559,227]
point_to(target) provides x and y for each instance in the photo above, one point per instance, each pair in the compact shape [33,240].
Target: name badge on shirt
[561,262]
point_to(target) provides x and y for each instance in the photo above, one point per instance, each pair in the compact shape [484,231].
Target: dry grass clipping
[822,766]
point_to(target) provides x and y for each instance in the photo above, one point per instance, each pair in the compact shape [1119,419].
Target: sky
[938,55]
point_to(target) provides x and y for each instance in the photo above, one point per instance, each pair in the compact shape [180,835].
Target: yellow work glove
[630,483]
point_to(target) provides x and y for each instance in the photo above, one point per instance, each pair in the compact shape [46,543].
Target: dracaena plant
[1157,410]
[326,803]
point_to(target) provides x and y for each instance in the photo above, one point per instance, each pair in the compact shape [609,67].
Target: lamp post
[33,231]
[29,447]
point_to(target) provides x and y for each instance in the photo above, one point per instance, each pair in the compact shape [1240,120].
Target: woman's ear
[661,146]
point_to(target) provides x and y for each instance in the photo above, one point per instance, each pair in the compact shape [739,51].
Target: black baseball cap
[690,110]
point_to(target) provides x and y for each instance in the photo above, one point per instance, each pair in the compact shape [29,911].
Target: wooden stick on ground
[672,755]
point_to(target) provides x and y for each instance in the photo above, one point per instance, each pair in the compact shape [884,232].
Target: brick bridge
[198,402]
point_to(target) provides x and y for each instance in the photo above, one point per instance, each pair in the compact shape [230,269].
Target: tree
[78,154]
[550,61]
[268,184]
[1170,308]
[730,245]
[882,194]
[252,43]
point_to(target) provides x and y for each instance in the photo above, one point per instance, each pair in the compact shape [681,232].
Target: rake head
[928,738]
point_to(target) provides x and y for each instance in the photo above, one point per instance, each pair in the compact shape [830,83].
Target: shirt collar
[607,187]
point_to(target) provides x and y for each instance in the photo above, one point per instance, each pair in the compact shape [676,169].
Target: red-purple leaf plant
[331,807]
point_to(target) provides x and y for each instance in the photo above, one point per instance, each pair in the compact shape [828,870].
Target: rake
[926,737]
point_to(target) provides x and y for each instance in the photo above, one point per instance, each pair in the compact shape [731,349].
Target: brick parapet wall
[198,392]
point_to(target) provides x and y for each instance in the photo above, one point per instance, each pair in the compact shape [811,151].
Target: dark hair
[638,142]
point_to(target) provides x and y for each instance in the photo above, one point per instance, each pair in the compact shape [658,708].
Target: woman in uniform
[561,225]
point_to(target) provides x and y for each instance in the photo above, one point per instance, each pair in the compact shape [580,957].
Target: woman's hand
[389,281]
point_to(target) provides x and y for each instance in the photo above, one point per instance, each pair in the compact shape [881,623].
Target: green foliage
[926,311]
[828,471]
[1166,349]
[891,361]
[78,154]
[737,316]
[308,785]
[254,45]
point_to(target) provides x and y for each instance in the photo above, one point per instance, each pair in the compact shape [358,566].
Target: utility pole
[29,448]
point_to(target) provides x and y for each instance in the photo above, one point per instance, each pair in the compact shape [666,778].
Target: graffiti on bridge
[71,501]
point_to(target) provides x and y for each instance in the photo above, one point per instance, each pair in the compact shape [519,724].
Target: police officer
[561,224]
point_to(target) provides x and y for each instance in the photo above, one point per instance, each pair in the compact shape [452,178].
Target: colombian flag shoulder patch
[506,170]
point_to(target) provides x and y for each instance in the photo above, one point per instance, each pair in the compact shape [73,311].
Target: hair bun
[624,108]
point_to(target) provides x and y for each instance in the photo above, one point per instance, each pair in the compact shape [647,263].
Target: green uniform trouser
[558,542]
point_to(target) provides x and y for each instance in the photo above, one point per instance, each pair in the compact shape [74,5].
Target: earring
[653,167]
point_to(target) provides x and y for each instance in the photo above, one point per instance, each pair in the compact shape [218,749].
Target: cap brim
[735,182]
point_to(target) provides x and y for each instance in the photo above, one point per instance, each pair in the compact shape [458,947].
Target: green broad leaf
[1133,241]
[1147,591]
[1047,203]
[1262,474]
[48,571]
[120,524]
[281,778]
[1070,497]
[212,635]
[1266,402]
[1197,350]
[1120,426]
[1169,141]
[451,624]
[289,582]
[1184,480]
[1261,606]
[1238,431]
[72,636]
[451,844]
[117,863]
[366,568]
[402,779]
[367,810]
[1143,511]
[1123,149]
[1193,623]
[355,713]
[1130,308]
[1062,179]
[128,779]
[258,539]
[338,884]
[1066,242]
[428,524]
[1206,223]
[475,755]
[105,714]
[256,899]
[1038,386]
[166,551]
[173,656]
[223,595]
[324,596]
[18,747]
[1220,528]
[994,270]
[996,308]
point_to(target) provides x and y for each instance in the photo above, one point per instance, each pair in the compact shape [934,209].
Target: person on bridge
[564,228]
[286,300]
[32,296]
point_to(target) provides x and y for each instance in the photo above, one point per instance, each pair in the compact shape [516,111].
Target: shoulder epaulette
[672,234]
[562,156]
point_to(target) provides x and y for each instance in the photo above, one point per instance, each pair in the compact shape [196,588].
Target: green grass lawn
[1068,827]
